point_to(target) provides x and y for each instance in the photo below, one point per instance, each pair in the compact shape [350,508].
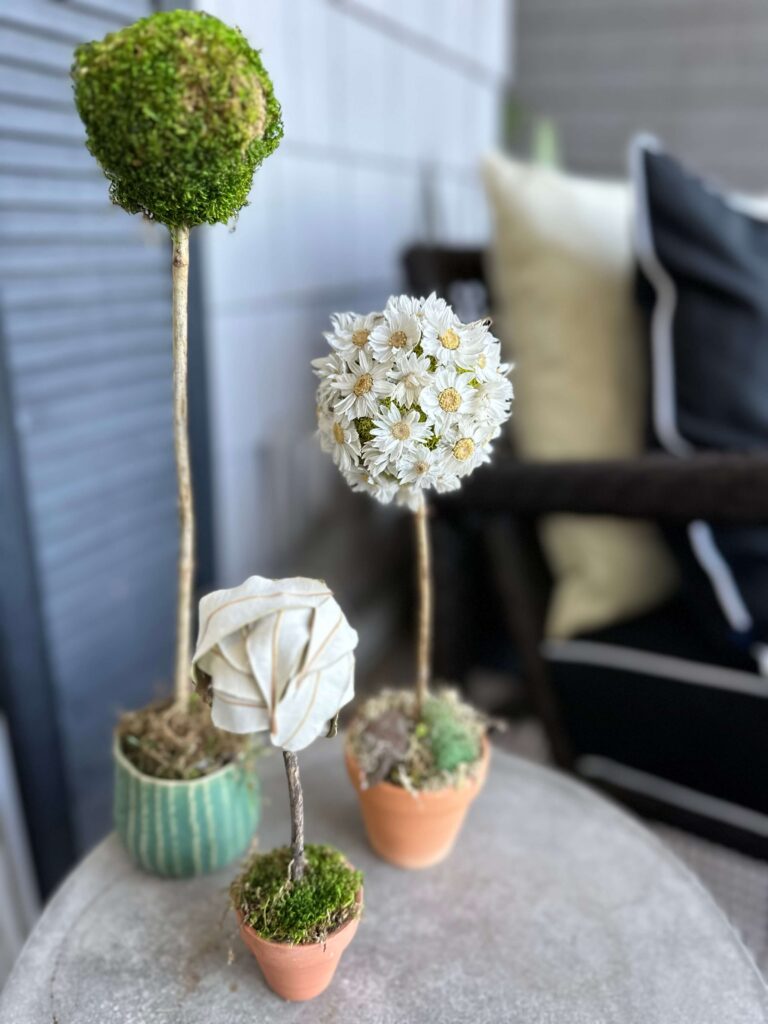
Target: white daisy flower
[486,362]
[483,349]
[398,332]
[342,441]
[404,304]
[448,340]
[392,434]
[446,483]
[418,467]
[326,368]
[432,307]
[361,387]
[384,490]
[447,398]
[351,332]
[328,365]
[407,377]
[409,497]
[491,400]
[324,397]
[358,478]
[464,447]
[381,488]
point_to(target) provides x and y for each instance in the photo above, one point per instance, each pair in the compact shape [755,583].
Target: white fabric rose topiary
[411,398]
[280,657]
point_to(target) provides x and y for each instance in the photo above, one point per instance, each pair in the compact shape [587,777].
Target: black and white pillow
[704,256]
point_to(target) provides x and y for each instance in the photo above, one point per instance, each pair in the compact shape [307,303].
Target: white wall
[387,106]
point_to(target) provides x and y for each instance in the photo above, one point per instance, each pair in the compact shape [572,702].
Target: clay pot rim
[481,764]
[124,763]
[303,945]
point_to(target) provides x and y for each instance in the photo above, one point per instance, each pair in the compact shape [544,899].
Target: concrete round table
[555,906]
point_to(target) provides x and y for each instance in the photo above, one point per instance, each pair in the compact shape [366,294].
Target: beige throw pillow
[561,265]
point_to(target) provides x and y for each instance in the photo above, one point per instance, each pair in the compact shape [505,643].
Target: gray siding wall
[388,106]
[84,300]
[691,71]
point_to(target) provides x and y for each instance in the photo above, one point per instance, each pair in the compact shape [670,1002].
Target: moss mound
[179,111]
[167,742]
[440,748]
[452,736]
[297,912]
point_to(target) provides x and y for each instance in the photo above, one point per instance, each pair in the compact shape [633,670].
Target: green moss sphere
[179,111]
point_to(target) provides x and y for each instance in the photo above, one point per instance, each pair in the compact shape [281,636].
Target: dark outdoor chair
[695,756]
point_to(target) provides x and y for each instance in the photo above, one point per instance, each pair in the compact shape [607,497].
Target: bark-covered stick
[180,279]
[298,861]
[424,582]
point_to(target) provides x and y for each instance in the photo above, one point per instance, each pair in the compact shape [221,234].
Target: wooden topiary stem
[424,584]
[296,797]
[180,279]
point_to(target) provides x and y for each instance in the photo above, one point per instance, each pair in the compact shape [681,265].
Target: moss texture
[453,739]
[297,912]
[168,742]
[179,111]
[443,747]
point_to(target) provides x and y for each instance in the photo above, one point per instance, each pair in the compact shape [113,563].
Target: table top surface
[554,906]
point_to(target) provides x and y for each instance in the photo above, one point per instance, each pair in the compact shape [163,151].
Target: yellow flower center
[481,360]
[360,337]
[363,384]
[463,449]
[450,339]
[421,467]
[401,430]
[449,400]
[399,339]
[338,433]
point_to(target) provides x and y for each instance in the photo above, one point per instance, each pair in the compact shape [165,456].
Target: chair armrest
[716,486]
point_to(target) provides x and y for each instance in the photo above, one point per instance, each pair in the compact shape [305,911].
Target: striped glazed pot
[181,829]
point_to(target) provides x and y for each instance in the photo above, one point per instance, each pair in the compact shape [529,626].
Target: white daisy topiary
[411,398]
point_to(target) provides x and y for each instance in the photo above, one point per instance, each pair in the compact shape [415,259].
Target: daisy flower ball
[410,399]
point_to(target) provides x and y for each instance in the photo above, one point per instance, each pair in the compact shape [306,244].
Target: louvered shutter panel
[84,301]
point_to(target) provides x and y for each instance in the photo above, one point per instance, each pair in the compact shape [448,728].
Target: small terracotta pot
[298,973]
[415,830]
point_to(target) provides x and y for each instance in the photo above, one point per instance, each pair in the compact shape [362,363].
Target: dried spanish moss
[168,741]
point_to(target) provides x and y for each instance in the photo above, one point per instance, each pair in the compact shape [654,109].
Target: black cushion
[703,255]
[663,709]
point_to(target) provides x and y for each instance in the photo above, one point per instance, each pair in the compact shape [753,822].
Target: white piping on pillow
[700,534]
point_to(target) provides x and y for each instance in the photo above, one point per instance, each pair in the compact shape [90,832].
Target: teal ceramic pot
[181,829]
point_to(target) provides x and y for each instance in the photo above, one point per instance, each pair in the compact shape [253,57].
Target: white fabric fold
[280,657]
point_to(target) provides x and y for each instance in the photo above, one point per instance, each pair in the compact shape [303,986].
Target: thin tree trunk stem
[296,797]
[180,279]
[424,584]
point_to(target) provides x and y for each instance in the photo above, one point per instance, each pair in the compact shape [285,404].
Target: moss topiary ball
[179,111]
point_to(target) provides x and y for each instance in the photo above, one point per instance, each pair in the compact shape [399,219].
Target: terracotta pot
[415,830]
[180,829]
[298,973]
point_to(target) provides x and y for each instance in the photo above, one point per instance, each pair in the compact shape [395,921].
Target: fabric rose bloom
[280,657]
